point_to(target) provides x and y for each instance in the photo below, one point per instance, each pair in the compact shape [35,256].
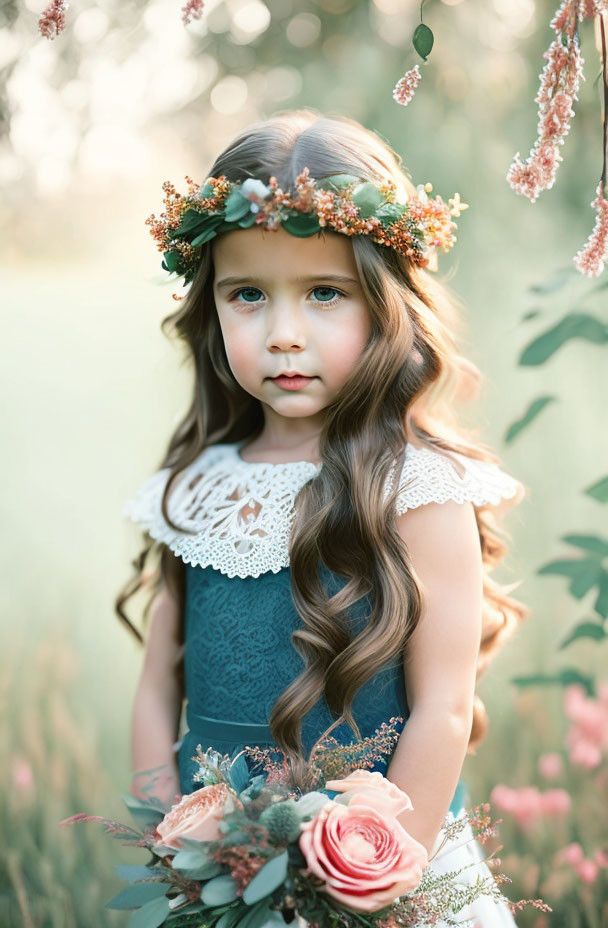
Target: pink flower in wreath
[362,853]
[197,815]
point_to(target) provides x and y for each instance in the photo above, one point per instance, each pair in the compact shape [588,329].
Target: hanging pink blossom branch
[192,9]
[52,19]
[559,84]
[404,88]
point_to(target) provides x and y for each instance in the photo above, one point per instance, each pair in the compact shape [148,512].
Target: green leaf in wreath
[268,878]
[574,325]
[171,262]
[301,224]
[367,198]
[248,220]
[236,206]
[584,630]
[151,915]
[219,890]
[336,181]
[601,603]
[598,490]
[423,40]
[535,407]
[137,895]
[390,213]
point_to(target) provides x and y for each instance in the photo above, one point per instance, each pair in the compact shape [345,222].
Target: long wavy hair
[394,395]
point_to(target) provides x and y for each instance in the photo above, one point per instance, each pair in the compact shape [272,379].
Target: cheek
[241,350]
[342,348]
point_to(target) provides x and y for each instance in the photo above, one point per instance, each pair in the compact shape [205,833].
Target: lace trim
[242,512]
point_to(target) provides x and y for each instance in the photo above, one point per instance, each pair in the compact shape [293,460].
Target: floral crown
[343,202]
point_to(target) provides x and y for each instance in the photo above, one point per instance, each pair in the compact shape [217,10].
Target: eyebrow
[231,281]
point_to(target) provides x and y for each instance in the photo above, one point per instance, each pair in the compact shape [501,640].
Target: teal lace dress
[239,614]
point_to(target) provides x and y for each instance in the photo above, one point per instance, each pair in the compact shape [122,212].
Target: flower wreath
[343,202]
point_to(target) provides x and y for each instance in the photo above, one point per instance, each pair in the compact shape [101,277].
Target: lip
[292,381]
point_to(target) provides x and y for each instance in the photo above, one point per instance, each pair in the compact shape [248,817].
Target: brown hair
[394,395]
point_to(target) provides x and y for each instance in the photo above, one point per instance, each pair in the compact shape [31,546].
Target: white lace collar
[242,511]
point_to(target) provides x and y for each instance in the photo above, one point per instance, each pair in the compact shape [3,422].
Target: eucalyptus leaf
[257,916]
[268,878]
[137,895]
[230,917]
[390,213]
[132,873]
[151,915]
[308,805]
[219,890]
[248,220]
[143,813]
[423,40]
[535,407]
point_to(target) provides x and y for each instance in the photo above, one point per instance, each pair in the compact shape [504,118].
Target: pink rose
[366,787]
[365,859]
[196,815]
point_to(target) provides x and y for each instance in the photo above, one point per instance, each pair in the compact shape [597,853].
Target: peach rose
[365,787]
[365,859]
[196,815]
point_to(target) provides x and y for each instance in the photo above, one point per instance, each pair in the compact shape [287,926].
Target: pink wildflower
[52,19]
[404,88]
[590,259]
[555,802]
[571,854]
[587,870]
[550,766]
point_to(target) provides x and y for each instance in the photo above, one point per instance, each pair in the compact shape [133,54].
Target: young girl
[321,525]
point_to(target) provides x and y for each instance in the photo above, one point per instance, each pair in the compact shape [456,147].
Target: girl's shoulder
[237,515]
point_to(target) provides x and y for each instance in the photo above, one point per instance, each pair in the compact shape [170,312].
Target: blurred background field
[94,122]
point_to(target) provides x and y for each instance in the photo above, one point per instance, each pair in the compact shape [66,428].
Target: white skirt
[458,852]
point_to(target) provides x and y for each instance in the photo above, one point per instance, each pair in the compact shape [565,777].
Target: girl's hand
[161,782]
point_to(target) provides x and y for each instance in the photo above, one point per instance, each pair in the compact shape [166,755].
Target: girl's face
[289,304]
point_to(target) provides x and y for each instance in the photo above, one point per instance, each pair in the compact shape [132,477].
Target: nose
[285,327]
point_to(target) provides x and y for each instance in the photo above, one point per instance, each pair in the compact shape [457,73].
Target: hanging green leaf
[531,314]
[585,630]
[591,543]
[423,40]
[584,574]
[574,325]
[267,879]
[555,281]
[535,407]
[599,490]
[601,603]
[564,677]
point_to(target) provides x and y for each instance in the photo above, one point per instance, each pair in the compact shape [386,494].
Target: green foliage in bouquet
[236,853]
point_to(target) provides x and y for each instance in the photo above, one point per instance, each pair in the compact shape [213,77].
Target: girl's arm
[440,661]
[157,705]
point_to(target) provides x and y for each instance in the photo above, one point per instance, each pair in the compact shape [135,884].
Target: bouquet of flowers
[250,851]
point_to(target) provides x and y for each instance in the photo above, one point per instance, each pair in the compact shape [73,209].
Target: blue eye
[250,290]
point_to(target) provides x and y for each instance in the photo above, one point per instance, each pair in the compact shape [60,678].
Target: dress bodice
[239,613]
